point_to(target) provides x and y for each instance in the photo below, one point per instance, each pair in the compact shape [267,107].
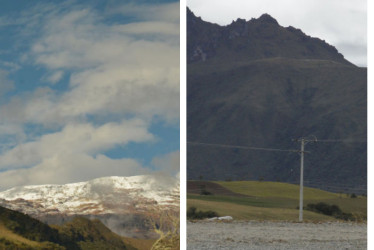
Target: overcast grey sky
[341,23]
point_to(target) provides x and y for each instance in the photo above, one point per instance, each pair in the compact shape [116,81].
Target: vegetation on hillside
[20,231]
[335,211]
[254,200]
[167,227]
[31,229]
[194,214]
[91,234]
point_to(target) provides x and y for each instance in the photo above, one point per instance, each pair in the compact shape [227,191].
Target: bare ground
[275,235]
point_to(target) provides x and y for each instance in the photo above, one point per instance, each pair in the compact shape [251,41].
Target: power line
[271,149]
[303,142]
[347,140]
[242,147]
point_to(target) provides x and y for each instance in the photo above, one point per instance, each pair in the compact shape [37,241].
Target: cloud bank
[107,75]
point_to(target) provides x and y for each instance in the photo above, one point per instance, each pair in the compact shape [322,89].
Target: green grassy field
[274,201]
[245,212]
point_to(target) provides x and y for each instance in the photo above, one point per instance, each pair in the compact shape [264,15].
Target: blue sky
[88,89]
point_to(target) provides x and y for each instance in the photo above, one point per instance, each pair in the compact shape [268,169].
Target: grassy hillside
[91,234]
[244,212]
[140,244]
[290,192]
[29,228]
[267,200]
[275,189]
[11,240]
[20,231]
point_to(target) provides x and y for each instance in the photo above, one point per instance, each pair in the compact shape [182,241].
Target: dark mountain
[258,84]
[20,231]
[250,40]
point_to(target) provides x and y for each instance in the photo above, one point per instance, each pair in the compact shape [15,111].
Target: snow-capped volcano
[104,195]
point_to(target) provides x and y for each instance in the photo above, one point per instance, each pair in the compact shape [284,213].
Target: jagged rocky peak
[266,18]
[255,39]
[240,21]
[191,17]
[263,19]
[190,13]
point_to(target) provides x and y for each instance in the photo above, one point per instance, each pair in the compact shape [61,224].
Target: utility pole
[303,141]
[301,180]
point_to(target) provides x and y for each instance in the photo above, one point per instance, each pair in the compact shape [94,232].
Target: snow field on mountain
[102,195]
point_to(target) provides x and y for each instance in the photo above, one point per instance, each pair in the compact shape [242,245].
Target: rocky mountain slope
[258,84]
[124,204]
[251,40]
[20,231]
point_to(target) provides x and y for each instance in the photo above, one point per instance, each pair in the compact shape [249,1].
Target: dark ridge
[252,40]
[266,18]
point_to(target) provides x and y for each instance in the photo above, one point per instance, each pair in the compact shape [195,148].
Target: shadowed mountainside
[255,83]
[20,231]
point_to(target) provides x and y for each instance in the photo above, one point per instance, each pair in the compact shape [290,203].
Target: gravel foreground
[275,235]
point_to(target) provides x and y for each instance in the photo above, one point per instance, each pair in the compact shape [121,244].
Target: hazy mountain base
[127,225]
[20,231]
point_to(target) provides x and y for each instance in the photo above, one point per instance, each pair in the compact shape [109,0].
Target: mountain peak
[112,199]
[266,18]
[72,197]
[253,40]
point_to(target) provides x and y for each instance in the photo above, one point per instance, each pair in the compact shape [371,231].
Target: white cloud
[61,169]
[5,84]
[167,12]
[10,136]
[11,66]
[75,139]
[159,28]
[36,107]
[111,70]
[169,163]
[115,71]
[55,77]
